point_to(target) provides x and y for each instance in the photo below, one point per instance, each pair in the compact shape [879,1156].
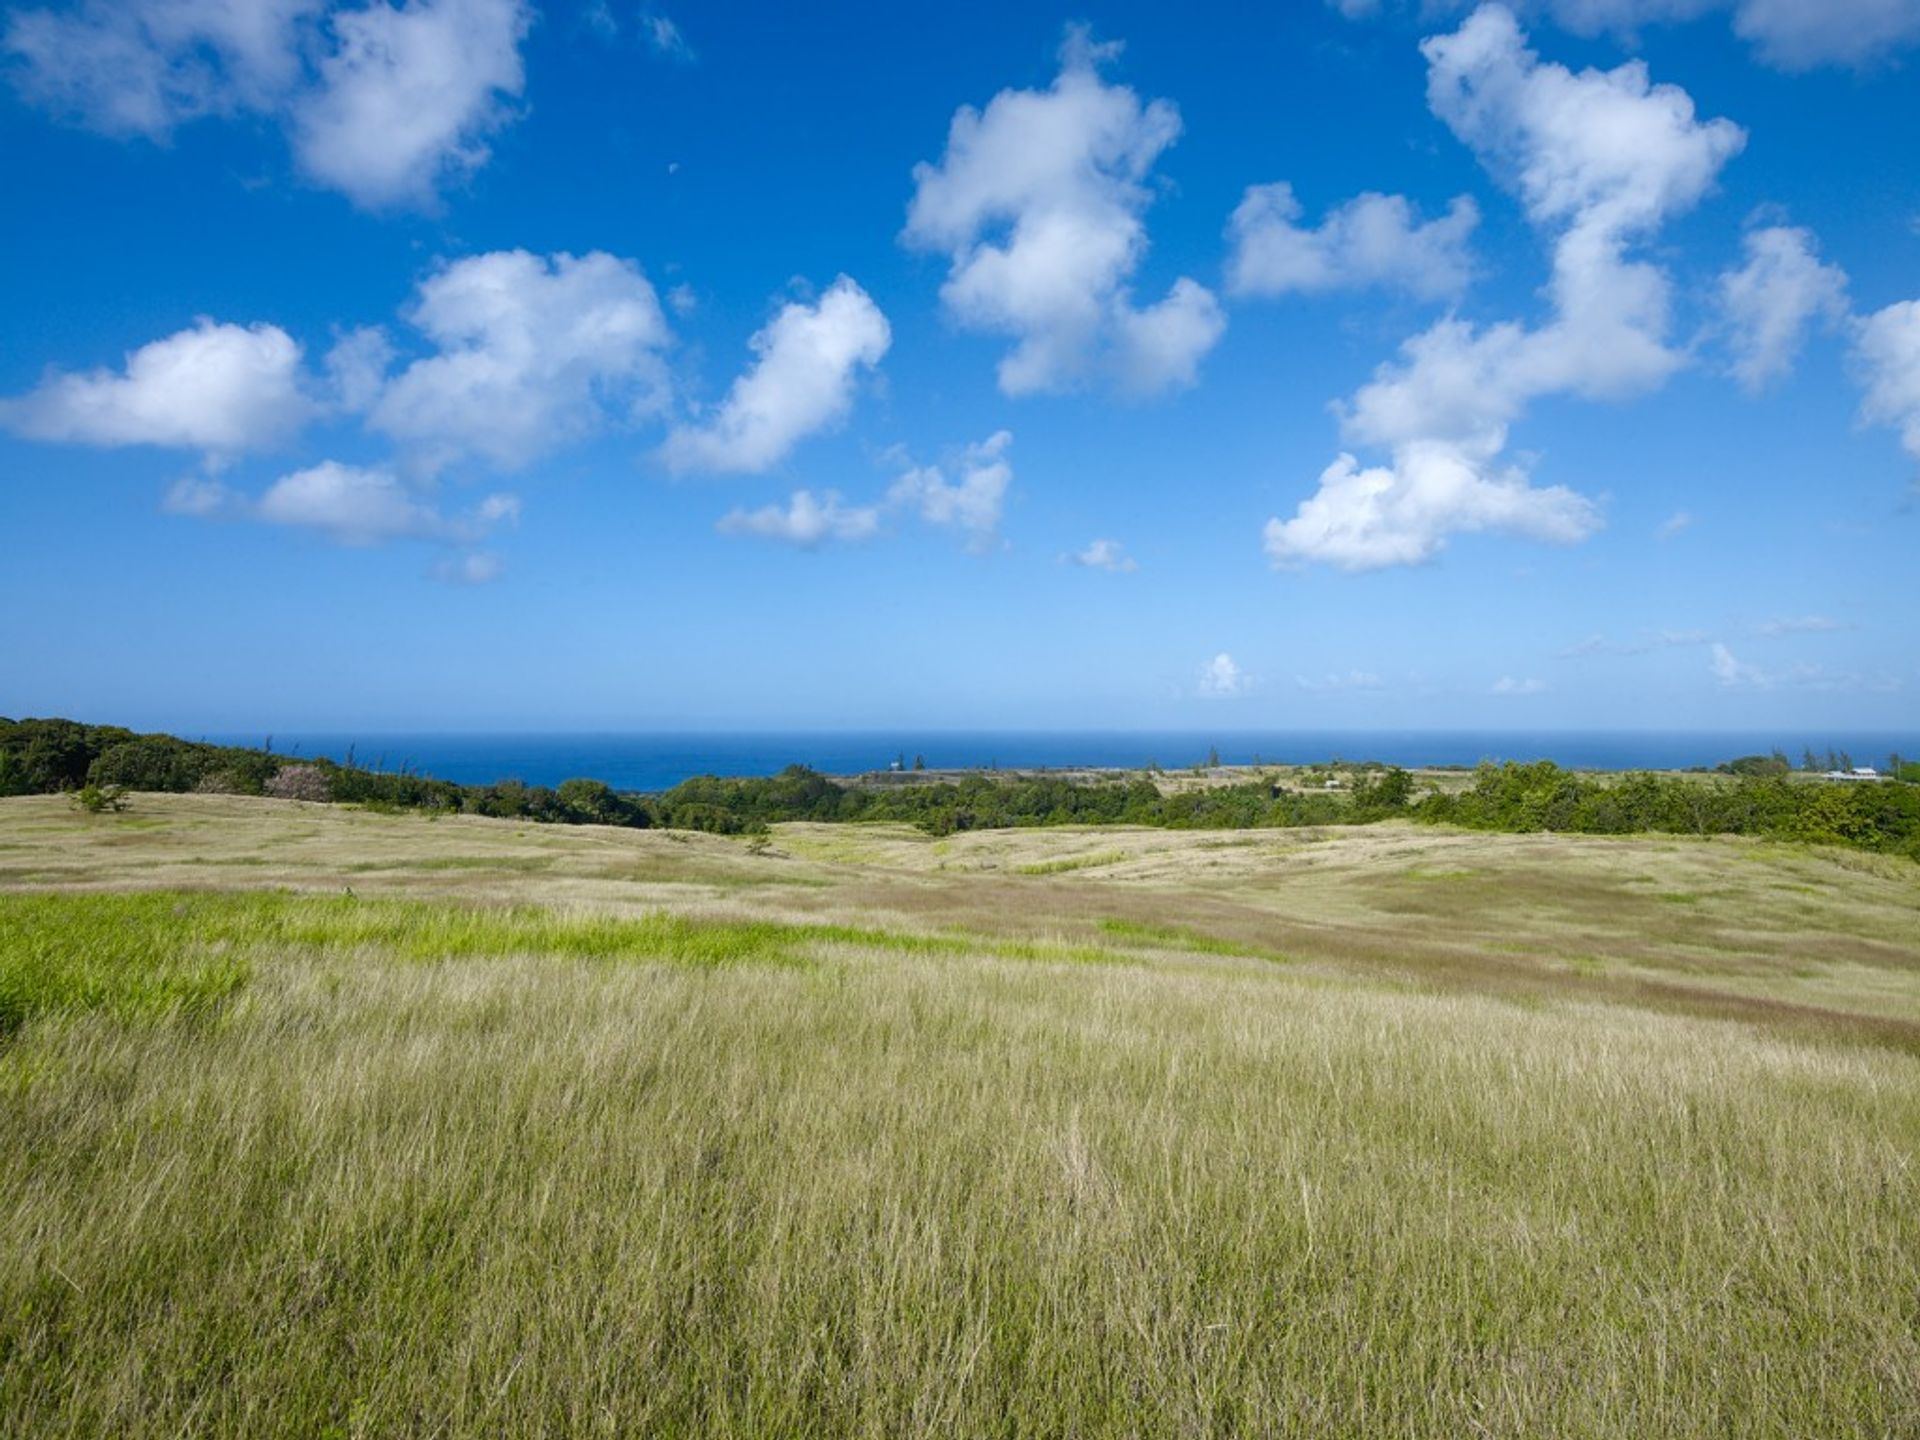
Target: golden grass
[1383,1132]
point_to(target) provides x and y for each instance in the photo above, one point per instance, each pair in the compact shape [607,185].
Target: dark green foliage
[41,757]
[99,799]
[594,802]
[1542,796]
[1754,795]
[1757,765]
[398,789]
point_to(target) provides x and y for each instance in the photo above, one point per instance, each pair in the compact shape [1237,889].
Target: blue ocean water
[658,761]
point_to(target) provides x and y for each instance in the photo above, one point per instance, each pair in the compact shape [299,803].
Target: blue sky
[473,365]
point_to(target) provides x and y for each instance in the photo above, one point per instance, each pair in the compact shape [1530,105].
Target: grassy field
[315,1121]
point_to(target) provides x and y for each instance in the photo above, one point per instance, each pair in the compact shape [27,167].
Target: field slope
[316,1121]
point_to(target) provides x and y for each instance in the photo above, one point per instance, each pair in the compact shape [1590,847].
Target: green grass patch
[133,955]
[1073,862]
[158,952]
[524,864]
[1174,937]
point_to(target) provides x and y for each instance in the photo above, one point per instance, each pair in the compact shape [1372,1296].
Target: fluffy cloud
[807,520]
[407,96]
[1364,519]
[801,381]
[382,103]
[1802,34]
[1108,555]
[972,501]
[348,504]
[1221,678]
[358,506]
[1038,203]
[141,67]
[1887,351]
[1372,240]
[1599,159]
[217,388]
[534,352]
[531,353]
[1769,302]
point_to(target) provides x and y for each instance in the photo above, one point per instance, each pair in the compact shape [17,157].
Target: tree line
[50,756]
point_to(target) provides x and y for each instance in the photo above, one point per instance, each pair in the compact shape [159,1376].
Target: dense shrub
[1754,795]
[1542,796]
[99,799]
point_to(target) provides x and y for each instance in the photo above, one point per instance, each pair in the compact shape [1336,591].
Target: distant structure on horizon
[1858,772]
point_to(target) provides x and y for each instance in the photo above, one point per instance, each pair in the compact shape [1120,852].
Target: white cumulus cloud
[384,103]
[805,520]
[407,96]
[1038,203]
[533,353]
[801,381]
[360,506]
[1802,34]
[1886,349]
[1599,159]
[1222,678]
[142,67]
[1770,302]
[215,387]
[1371,240]
[970,502]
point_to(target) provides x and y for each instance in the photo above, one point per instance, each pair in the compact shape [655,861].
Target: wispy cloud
[1352,680]
[1673,525]
[1508,685]
[1649,641]
[1733,673]
[665,38]
[1799,625]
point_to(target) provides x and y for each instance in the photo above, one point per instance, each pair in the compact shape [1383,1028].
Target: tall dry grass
[431,1171]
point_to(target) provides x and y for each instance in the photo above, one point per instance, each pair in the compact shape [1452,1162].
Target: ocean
[659,761]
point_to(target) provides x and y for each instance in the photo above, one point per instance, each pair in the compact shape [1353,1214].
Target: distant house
[1857,773]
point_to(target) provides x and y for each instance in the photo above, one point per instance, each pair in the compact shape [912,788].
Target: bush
[299,782]
[99,799]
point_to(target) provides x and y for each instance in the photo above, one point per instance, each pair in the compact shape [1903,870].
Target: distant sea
[658,761]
